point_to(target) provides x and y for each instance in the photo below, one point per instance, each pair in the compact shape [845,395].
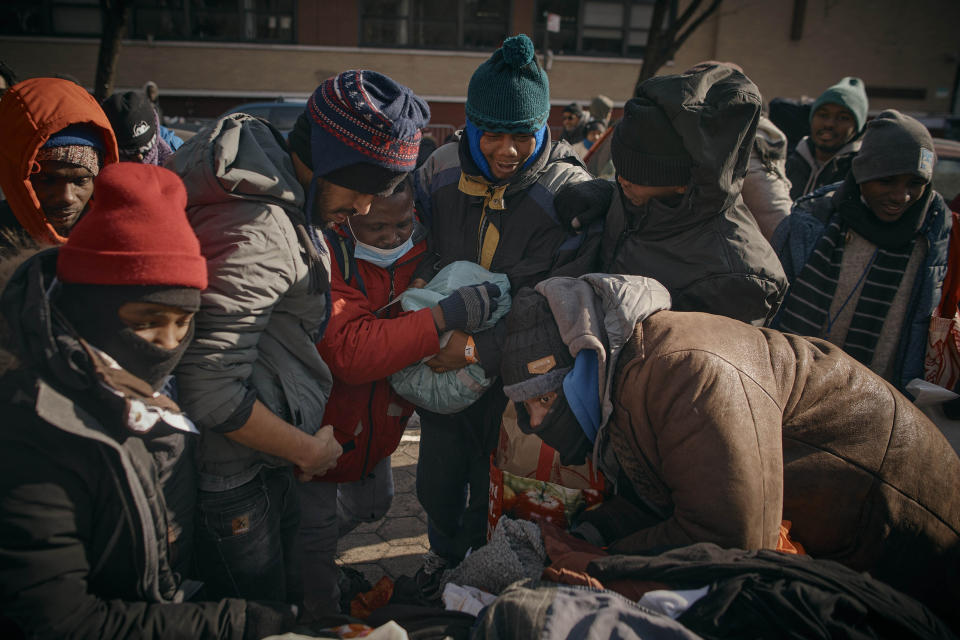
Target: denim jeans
[331,510]
[453,473]
[246,539]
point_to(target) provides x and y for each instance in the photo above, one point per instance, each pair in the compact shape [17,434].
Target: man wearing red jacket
[366,340]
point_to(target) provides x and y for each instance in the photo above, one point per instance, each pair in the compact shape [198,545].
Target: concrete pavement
[395,545]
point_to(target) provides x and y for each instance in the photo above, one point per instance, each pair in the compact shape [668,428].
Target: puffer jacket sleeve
[359,347]
[249,268]
[46,512]
[748,298]
[710,436]
[766,193]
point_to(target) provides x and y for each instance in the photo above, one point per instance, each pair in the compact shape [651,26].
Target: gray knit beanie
[600,107]
[850,94]
[535,358]
[646,149]
[894,144]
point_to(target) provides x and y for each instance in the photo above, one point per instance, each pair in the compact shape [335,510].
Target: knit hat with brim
[535,358]
[894,144]
[850,94]
[135,233]
[646,149]
[509,93]
[365,132]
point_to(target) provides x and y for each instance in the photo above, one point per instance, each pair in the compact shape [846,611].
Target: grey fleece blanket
[515,552]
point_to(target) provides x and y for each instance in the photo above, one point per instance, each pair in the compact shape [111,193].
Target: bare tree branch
[113,20]
[663,43]
[695,24]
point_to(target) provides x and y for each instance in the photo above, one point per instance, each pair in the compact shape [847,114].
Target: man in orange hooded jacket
[56,139]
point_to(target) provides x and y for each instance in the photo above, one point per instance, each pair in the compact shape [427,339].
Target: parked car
[283,115]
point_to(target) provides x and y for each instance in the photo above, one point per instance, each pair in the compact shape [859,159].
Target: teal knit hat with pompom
[510,93]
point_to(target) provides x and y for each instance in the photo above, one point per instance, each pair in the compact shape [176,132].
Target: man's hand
[320,456]
[417,283]
[581,204]
[451,356]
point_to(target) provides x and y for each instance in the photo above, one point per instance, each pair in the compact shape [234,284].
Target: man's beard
[324,214]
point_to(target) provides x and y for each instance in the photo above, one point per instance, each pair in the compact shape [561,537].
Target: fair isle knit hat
[509,93]
[894,144]
[535,358]
[79,144]
[850,94]
[365,131]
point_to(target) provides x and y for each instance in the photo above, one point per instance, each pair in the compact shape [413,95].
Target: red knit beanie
[135,233]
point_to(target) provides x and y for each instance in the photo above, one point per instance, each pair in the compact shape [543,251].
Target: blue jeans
[246,539]
[453,473]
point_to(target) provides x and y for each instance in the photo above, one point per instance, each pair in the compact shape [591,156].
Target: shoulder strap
[343,254]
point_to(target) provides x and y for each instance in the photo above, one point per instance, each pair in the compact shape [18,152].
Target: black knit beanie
[646,150]
[299,140]
[535,358]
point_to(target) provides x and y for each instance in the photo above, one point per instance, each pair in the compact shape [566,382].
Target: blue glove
[469,307]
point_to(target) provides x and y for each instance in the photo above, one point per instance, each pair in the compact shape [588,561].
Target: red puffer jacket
[362,347]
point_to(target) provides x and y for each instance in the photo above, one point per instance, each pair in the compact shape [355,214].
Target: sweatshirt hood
[715,111]
[599,312]
[239,158]
[30,112]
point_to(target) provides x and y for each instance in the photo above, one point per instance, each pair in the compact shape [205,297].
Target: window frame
[460,23]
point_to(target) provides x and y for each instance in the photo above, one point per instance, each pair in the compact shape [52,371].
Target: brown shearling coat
[731,428]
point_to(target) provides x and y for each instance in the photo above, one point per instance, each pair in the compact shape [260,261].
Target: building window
[62,17]
[224,20]
[434,24]
[597,27]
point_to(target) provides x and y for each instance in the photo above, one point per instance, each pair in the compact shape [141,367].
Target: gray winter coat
[259,320]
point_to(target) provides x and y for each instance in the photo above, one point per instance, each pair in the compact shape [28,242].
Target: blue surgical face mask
[375,255]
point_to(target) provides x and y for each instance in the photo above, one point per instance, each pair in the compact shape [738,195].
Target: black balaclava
[560,429]
[92,312]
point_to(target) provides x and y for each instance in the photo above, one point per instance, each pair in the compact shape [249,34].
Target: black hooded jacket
[83,522]
[705,248]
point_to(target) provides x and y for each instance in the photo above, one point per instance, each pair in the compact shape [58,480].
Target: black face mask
[92,312]
[559,429]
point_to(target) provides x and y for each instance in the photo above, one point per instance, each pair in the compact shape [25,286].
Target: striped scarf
[807,308]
